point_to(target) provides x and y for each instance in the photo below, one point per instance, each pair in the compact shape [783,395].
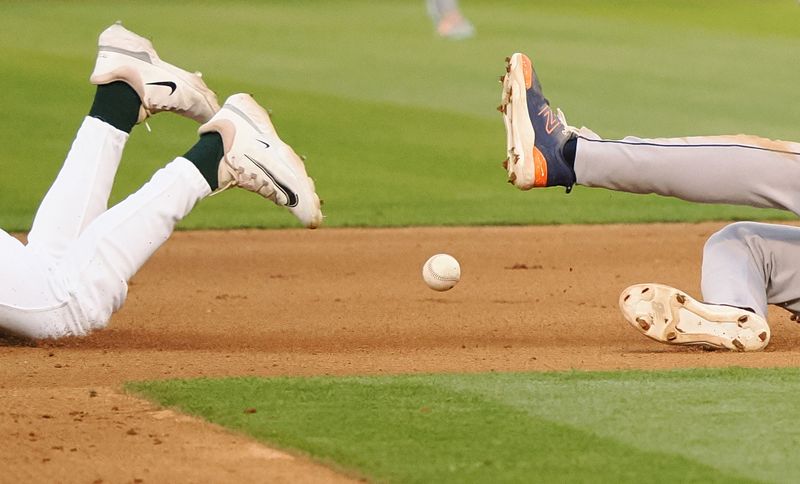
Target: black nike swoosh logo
[266,145]
[291,196]
[168,84]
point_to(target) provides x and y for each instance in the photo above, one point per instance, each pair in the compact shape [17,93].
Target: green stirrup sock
[116,104]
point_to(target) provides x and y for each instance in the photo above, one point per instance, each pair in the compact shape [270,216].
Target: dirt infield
[334,301]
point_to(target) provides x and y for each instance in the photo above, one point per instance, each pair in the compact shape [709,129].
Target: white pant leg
[740,169]
[749,264]
[118,242]
[31,302]
[81,189]
[81,291]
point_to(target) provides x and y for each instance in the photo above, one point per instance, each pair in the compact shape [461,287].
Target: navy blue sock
[116,104]
[569,150]
[206,155]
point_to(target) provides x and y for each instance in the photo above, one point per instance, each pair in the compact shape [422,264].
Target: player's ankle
[206,155]
[117,104]
[569,150]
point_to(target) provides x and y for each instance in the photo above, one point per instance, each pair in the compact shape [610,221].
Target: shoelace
[567,129]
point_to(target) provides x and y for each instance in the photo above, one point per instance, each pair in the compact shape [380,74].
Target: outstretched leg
[543,150]
[133,83]
[243,148]
[743,170]
[746,266]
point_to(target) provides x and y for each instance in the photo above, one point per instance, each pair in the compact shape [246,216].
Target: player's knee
[735,237]
[734,231]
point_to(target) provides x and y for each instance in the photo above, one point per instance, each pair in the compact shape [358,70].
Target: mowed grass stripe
[725,425]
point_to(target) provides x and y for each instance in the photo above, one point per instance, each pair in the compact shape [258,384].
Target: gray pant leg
[749,264]
[744,170]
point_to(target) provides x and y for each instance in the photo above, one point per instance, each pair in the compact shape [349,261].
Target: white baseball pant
[74,271]
[746,264]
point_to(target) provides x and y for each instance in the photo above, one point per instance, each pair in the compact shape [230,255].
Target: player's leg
[238,147]
[133,83]
[543,150]
[746,266]
[750,264]
[743,170]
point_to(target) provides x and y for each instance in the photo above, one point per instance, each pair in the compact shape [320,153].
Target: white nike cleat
[670,316]
[124,56]
[256,159]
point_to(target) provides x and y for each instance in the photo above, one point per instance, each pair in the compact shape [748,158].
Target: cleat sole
[667,315]
[520,136]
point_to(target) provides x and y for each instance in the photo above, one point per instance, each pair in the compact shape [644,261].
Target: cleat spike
[512,177]
[671,336]
[643,323]
[505,163]
[738,344]
[680,298]
[508,59]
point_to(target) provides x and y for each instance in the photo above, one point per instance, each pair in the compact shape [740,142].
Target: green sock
[206,155]
[116,104]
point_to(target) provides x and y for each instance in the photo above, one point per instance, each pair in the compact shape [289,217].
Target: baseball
[441,272]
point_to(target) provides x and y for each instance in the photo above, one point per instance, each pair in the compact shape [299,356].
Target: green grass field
[400,128]
[729,425]
[398,125]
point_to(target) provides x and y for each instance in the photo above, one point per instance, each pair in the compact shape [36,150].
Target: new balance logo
[551,120]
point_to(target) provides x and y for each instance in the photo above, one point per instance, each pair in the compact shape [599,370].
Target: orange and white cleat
[535,134]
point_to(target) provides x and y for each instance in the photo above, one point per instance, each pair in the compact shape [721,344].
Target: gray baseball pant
[746,264]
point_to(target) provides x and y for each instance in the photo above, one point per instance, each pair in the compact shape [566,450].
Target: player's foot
[256,159]
[670,316]
[124,56]
[454,26]
[535,134]
[449,21]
